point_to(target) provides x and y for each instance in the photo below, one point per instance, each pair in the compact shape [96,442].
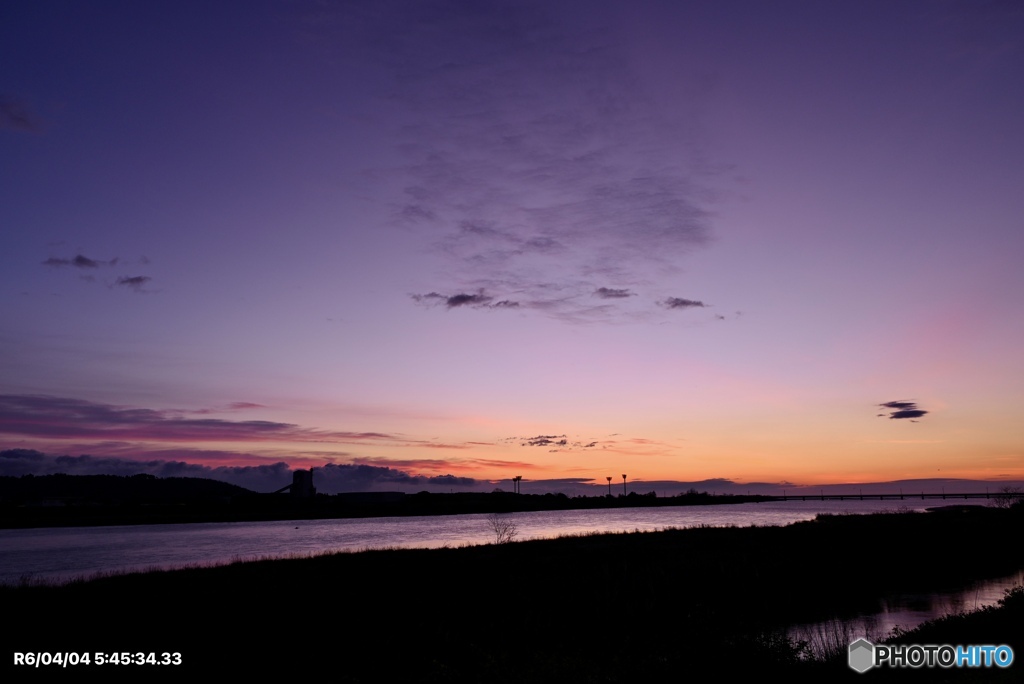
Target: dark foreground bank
[644,607]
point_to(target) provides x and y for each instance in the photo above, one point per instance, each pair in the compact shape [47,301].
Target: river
[59,554]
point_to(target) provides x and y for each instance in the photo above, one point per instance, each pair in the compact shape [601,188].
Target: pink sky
[693,240]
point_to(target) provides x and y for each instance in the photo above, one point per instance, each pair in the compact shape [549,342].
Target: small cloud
[479,300]
[134,282]
[80,261]
[429,298]
[899,405]
[545,440]
[907,414]
[462,299]
[556,442]
[680,303]
[903,409]
[611,293]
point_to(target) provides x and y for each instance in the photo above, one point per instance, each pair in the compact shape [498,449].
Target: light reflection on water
[904,611]
[62,553]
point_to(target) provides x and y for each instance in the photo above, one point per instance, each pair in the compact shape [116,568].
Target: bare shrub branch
[505,529]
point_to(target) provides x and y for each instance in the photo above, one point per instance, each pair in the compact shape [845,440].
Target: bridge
[860,496]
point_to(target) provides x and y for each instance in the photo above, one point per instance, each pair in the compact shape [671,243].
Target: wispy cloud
[64,418]
[234,406]
[78,261]
[545,440]
[680,303]
[329,478]
[554,442]
[612,293]
[478,300]
[239,405]
[136,283]
[539,165]
[445,464]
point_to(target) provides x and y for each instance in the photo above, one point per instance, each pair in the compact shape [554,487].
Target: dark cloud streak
[611,293]
[63,418]
[79,261]
[479,300]
[680,303]
[903,409]
[134,282]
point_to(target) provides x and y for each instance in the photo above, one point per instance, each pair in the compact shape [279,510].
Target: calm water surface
[67,552]
[905,611]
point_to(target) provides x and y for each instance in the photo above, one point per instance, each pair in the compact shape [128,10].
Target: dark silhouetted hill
[111,488]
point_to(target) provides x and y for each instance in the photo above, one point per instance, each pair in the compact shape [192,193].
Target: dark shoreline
[609,608]
[98,500]
[102,500]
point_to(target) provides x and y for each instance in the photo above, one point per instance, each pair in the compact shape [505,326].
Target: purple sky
[564,239]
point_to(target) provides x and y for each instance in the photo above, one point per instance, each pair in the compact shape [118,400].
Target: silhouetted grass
[996,625]
[636,607]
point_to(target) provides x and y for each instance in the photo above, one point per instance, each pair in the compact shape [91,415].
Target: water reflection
[904,611]
[55,554]
[63,553]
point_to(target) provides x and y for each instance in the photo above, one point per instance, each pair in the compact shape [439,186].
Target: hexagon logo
[862,655]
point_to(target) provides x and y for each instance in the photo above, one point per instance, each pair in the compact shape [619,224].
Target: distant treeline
[69,500]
